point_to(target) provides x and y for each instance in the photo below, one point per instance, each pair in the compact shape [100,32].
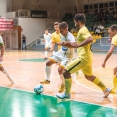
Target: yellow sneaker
[114,90]
[62,87]
[45,82]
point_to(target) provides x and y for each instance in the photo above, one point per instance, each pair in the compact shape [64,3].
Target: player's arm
[75,45]
[2,51]
[108,54]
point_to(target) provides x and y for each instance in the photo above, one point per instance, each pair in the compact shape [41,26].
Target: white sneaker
[11,80]
[107,92]
[63,95]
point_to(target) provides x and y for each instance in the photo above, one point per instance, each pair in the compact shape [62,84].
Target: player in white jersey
[1,59]
[64,55]
[47,38]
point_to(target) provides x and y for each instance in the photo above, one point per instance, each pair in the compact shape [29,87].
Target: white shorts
[59,57]
[48,45]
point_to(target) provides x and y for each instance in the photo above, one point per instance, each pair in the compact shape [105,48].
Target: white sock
[46,52]
[5,72]
[62,79]
[48,72]
[53,52]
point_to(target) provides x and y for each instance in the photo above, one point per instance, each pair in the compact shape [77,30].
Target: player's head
[56,26]
[63,26]
[112,30]
[46,31]
[79,20]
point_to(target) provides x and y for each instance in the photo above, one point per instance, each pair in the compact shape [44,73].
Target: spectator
[23,42]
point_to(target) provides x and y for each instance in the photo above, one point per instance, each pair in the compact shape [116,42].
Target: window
[86,7]
[91,6]
[101,5]
[95,6]
[105,4]
[115,4]
[111,4]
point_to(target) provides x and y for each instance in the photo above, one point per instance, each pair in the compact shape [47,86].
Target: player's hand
[74,44]
[103,65]
[51,49]
[60,43]
[1,59]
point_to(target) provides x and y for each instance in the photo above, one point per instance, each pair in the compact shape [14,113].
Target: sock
[114,81]
[53,52]
[68,83]
[46,52]
[48,72]
[5,72]
[99,83]
[62,79]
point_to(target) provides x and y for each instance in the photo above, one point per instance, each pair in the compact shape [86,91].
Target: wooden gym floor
[27,72]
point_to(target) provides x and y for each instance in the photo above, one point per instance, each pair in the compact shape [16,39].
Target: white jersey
[47,38]
[68,52]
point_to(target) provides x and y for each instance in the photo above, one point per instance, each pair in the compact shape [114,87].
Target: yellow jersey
[84,52]
[114,40]
[55,37]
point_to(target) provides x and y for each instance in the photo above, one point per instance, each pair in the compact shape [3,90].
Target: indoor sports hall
[25,63]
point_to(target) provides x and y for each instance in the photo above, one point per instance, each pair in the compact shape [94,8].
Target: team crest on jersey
[64,48]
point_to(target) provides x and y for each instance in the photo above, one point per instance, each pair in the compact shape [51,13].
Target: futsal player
[1,59]
[64,55]
[113,34]
[55,37]
[84,60]
[47,38]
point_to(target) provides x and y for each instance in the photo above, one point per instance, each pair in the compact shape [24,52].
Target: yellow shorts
[80,64]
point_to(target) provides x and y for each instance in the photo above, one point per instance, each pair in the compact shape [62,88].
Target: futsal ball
[38,89]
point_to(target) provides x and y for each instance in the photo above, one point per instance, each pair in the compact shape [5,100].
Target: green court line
[18,103]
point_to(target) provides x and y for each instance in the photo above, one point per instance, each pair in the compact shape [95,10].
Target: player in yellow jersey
[1,59]
[84,60]
[113,34]
[55,37]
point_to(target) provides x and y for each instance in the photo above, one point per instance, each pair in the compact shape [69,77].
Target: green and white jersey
[68,52]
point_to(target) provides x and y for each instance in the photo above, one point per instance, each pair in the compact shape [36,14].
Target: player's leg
[64,61]
[53,59]
[6,73]
[114,89]
[46,52]
[71,67]
[62,86]
[87,70]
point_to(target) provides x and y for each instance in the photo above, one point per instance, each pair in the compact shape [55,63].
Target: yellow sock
[114,81]
[99,83]
[68,83]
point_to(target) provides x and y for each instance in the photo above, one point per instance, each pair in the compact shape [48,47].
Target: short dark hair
[56,23]
[80,17]
[113,27]
[63,25]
